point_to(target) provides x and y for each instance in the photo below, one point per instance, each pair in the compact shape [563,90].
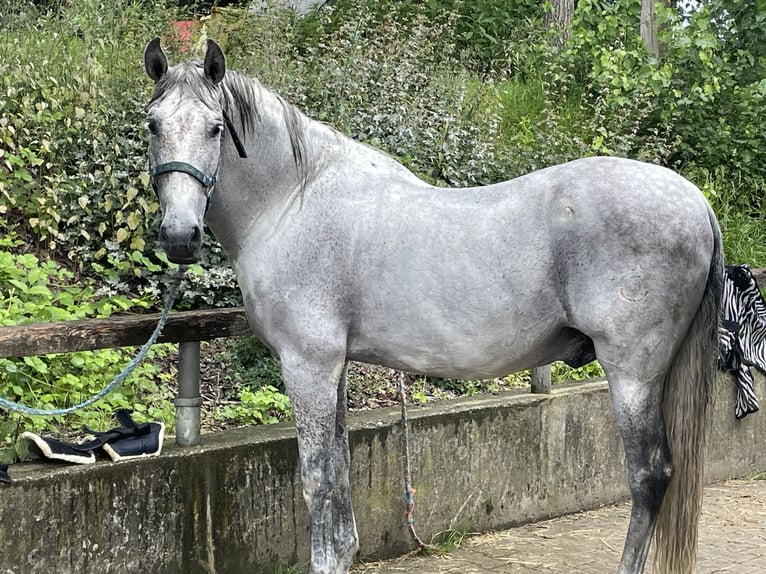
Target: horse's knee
[317,488]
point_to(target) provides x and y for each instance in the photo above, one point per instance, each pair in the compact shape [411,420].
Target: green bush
[264,406]
[398,74]
[33,290]
[486,36]
[739,210]
[395,85]
[563,373]
[697,107]
[74,174]
[251,365]
[71,105]
[717,93]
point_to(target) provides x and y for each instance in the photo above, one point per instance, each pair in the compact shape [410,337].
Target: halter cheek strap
[234,135]
[207,182]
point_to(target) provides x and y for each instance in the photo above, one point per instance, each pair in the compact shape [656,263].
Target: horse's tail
[687,400]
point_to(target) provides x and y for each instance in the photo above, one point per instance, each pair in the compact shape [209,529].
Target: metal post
[188,401]
[541,379]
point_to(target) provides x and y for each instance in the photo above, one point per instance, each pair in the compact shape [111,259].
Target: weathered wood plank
[120,331]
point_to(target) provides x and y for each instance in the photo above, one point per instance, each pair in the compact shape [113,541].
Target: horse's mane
[242,95]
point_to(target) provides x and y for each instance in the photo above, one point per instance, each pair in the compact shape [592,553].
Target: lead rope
[409,492]
[140,356]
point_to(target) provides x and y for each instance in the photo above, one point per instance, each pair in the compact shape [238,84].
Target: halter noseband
[207,182]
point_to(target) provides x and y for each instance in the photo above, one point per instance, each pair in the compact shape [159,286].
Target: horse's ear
[155,61]
[215,63]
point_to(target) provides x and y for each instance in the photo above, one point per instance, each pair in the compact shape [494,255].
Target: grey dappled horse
[342,254]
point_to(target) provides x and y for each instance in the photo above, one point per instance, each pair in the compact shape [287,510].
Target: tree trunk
[560,16]
[649,29]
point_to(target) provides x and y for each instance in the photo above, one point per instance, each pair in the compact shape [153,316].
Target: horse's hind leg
[313,389]
[346,538]
[638,407]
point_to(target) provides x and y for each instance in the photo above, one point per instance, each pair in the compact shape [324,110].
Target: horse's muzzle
[181,245]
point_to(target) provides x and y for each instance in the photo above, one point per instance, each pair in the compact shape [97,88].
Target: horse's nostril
[196,235]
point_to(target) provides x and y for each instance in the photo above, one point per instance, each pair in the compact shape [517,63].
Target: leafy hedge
[38,290]
[697,109]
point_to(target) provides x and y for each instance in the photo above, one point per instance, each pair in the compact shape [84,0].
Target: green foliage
[697,107]
[466,387]
[36,290]
[562,373]
[398,85]
[493,30]
[251,365]
[716,94]
[445,542]
[32,290]
[487,36]
[739,202]
[264,406]
[388,77]
[73,173]
[397,74]
[619,80]
[258,377]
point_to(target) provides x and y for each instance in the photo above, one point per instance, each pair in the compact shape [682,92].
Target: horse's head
[186,123]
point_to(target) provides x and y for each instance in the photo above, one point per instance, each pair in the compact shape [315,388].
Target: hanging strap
[234,135]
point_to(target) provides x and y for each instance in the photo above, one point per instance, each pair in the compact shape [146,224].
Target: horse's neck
[265,181]
[286,155]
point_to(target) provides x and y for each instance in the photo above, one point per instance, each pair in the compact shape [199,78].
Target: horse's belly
[443,363]
[455,351]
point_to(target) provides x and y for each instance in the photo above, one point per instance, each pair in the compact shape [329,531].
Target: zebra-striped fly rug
[743,334]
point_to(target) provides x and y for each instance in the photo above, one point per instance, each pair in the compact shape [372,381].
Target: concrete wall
[234,504]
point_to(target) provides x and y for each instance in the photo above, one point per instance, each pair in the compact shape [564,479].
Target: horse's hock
[234,504]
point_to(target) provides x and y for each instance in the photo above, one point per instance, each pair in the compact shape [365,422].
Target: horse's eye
[216,131]
[152,126]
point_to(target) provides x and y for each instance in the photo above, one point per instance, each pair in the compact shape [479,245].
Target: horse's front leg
[346,537]
[311,381]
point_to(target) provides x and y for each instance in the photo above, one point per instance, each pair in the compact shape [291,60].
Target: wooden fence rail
[119,331]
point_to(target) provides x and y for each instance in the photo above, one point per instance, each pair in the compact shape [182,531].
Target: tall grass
[743,224]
